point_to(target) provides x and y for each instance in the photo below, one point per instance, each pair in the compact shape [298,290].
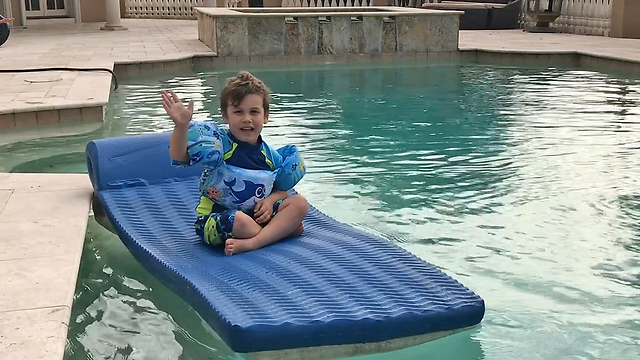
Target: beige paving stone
[25,282]
[35,334]
[58,91]
[7,98]
[67,204]
[29,183]
[39,239]
[4,197]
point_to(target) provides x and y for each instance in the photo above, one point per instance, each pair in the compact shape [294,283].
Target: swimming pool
[519,182]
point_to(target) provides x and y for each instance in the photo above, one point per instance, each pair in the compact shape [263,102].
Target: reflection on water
[520,183]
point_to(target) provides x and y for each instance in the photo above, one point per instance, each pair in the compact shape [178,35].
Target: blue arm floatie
[204,144]
[292,169]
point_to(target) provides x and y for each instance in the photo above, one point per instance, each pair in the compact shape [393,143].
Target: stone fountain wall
[327,31]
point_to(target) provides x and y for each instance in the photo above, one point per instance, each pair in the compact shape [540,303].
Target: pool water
[521,183]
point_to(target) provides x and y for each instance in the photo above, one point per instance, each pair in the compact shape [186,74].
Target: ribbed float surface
[333,285]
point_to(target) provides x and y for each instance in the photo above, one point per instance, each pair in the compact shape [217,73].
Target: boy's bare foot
[236,246]
[298,231]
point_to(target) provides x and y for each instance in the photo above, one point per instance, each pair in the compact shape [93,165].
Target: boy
[244,203]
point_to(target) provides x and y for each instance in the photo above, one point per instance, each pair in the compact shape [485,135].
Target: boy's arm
[181,117]
[178,144]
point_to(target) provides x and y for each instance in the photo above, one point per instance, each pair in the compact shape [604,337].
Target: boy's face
[247,119]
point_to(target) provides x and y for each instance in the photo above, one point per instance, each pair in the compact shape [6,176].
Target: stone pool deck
[43,217]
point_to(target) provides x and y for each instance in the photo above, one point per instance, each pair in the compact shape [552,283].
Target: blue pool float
[335,291]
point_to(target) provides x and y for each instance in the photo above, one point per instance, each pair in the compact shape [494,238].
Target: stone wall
[328,33]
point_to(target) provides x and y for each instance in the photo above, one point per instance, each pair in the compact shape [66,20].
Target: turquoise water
[520,183]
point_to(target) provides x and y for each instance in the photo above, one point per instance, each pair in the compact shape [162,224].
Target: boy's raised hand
[174,108]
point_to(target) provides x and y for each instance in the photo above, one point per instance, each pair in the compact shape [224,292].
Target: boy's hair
[240,86]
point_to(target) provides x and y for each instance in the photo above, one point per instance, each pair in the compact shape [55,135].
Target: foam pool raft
[334,292]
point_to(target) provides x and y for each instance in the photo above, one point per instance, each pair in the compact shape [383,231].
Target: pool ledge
[43,221]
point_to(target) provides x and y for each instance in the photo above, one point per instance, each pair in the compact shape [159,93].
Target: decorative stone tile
[372,26]
[255,59]
[70,115]
[229,60]
[146,68]
[308,30]
[275,59]
[133,69]
[384,57]
[340,34]
[7,121]
[325,35]
[444,55]
[232,36]
[49,117]
[292,39]
[389,37]
[92,114]
[442,32]
[407,57]
[158,66]
[357,38]
[25,119]
[120,69]
[409,29]
[358,57]
[242,60]
[470,55]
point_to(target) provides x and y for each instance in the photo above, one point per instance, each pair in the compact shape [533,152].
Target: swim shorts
[216,227]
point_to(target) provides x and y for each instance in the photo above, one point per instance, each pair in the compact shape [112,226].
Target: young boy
[244,203]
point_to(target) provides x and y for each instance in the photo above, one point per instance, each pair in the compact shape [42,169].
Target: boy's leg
[288,218]
[216,228]
[244,226]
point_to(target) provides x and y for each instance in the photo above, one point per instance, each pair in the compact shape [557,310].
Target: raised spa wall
[327,31]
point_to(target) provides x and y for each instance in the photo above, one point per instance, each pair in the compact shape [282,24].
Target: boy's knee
[242,220]
[300,203]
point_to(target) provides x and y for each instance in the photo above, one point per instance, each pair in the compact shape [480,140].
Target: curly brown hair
[240,86]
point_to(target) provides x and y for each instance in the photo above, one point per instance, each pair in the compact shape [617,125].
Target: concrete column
[624,19]
[112,13]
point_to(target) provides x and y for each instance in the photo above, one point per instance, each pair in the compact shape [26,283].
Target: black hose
[115,80]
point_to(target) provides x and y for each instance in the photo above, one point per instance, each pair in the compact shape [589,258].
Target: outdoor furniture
[494,15]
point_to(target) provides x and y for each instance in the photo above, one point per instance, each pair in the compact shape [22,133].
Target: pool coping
[39,279]
[40,260]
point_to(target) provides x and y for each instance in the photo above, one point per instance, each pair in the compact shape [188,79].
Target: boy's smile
[247,119]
